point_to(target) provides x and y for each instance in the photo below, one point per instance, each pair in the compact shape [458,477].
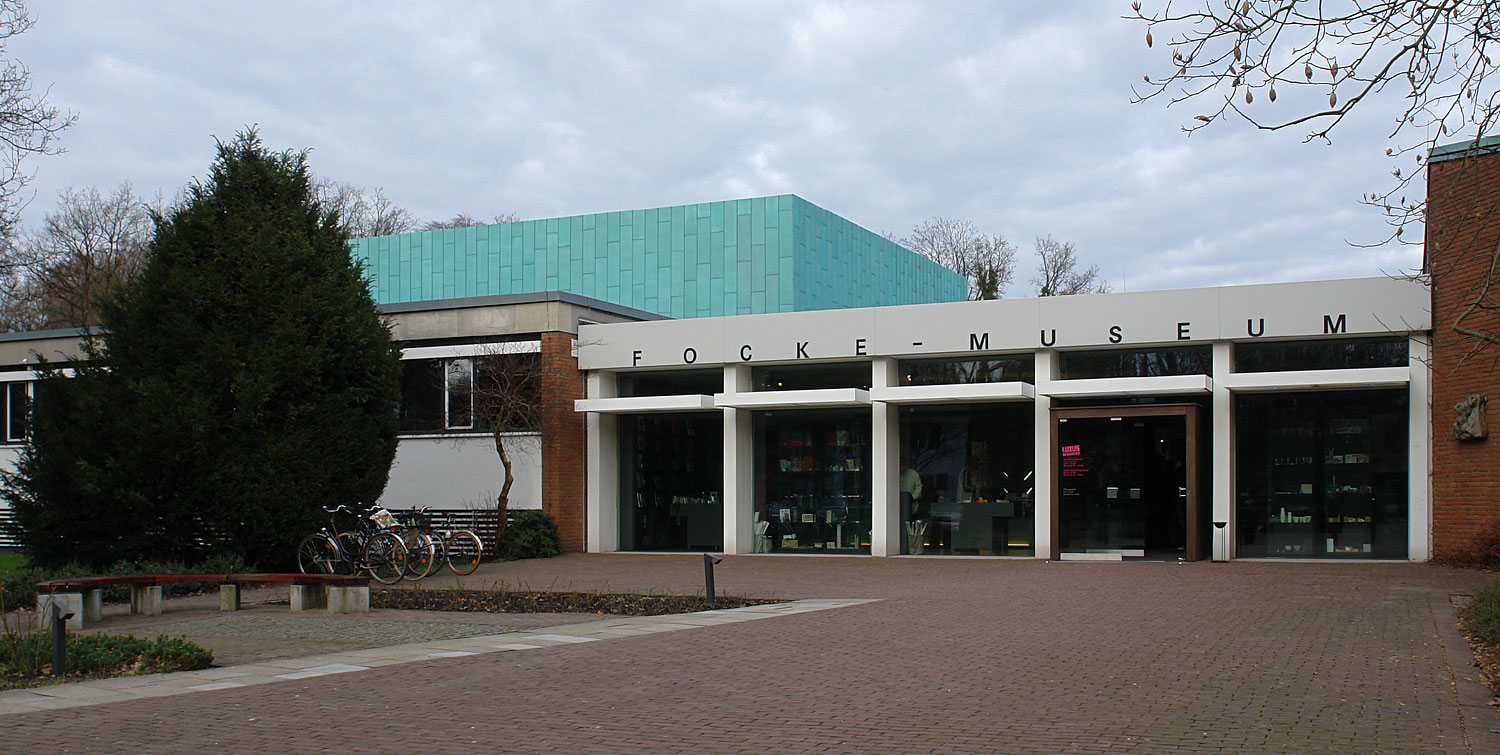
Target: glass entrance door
[1125,482]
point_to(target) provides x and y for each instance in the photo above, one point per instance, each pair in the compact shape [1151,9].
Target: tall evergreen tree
[242,381]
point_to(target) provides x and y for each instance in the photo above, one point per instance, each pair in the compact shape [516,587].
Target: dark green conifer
[241,382]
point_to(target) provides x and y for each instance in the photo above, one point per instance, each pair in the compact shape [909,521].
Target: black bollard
[59,639]
[708,576]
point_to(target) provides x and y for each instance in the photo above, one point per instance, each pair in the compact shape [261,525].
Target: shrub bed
[26,657]
[533,534]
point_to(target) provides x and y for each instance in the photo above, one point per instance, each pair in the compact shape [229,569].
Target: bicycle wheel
[351,550]
[420,554]
[385,557]
[464,550]
[317,554]
[439,553]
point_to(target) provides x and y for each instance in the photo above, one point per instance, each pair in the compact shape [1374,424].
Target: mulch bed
[521,601]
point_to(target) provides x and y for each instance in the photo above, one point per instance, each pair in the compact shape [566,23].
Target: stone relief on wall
[1471,424]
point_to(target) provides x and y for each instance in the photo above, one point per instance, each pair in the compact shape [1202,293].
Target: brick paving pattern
[957,656]
[362,629]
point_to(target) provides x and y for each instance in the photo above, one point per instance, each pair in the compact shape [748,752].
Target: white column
[739,465]
[1419,450]
[1221,491]
[1046,372]
[602,531]
[885,469]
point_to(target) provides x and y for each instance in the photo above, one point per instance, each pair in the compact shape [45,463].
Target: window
[1187,360]
[467,393]
[950,371]
[17,412]
[1321,355]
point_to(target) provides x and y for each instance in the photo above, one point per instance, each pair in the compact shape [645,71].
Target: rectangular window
[17,411]
[464,394]
[953,371]
[671,383]
[1183,360]
[967,486]
[1322,475]
[811,377]
[1341,354]
[459,393]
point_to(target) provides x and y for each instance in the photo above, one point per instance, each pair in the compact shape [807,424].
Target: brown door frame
[1188,412]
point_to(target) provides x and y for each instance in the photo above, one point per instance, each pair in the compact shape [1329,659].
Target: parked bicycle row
[387,546]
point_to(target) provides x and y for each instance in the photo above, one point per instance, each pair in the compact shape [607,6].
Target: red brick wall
[563,439]
[1463,230]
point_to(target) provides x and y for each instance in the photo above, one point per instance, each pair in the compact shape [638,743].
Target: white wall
[460,472]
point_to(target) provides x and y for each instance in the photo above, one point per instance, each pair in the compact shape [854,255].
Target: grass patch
[26,657]
[10,562]
[529,601]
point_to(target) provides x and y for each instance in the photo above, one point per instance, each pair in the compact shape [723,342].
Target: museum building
[764,376]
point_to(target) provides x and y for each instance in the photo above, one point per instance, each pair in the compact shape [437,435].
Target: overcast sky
[1016,116]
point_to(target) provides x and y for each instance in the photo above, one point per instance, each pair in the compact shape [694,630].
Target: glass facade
[812,482]
[672,383]
[1322,475]
[1020,368]
[671,474]
[1321,355]
[1175,360]
[811,377]
[967,485]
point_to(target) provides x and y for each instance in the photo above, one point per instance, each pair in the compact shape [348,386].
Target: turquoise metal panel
[778,253]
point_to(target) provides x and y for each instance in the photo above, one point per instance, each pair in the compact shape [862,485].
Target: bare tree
[363,214]
[85,250]
[29,125]
[465,220]
[987,261]
[1282,64]
[507,391]
[1057,272]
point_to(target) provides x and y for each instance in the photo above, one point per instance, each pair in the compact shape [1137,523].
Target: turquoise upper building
[743,256]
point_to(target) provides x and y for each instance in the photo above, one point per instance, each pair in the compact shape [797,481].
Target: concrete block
[309,597]
[349,599]
[93,605]
[70,602]
[145,600]
[229,597]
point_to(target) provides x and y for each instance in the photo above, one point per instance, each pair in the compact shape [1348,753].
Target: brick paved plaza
[956,656]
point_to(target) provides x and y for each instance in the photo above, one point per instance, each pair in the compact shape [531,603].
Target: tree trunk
[502,503]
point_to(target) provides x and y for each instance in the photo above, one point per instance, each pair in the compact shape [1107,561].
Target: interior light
[1116,419]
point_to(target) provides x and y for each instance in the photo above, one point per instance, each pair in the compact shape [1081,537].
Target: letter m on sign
[1331,325]
[977,341]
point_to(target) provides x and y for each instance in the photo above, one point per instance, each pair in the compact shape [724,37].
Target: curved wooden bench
[84,596]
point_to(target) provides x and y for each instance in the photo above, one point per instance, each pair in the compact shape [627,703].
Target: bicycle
[461,549]
[372,548]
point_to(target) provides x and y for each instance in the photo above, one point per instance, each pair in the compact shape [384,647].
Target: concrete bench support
[145,600]
[309,597]
[229,597]
[349,599]
[70,602]
[93,605]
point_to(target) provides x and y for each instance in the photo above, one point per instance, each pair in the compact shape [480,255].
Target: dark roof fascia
[42,335]
[1461,150]
[498,300]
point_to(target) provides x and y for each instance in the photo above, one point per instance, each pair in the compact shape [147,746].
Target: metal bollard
[708,576]
[59,639]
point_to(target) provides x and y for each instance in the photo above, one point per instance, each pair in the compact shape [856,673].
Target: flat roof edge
[469,302]
[1461,150]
